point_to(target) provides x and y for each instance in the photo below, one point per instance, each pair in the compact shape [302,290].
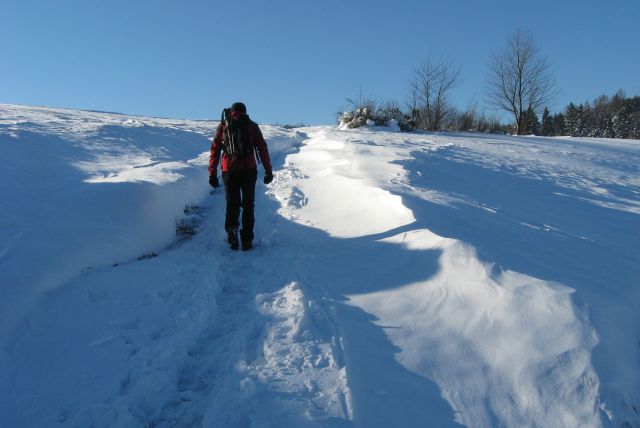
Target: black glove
[213,181]
[268,177]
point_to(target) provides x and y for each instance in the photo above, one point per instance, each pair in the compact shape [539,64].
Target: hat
[239,107]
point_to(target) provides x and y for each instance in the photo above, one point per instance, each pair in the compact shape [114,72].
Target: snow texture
[397,279]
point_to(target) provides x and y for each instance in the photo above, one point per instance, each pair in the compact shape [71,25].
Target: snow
[58,214]
[397,279]
[345,205]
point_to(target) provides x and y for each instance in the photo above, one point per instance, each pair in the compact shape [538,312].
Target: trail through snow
[397,280]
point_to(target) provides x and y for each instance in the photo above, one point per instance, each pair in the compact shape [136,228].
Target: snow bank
[343,204]
[85,190]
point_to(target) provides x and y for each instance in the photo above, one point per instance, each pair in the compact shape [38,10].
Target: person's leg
[232,194]
[248,185]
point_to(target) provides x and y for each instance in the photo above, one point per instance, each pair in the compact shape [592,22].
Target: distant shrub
[471,120]
[360,113]
[290,126]
[355,118]
[367,113]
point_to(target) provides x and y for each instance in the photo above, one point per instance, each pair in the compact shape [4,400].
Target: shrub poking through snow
[367,113]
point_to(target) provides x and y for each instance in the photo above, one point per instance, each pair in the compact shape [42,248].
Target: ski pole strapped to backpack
[235,139]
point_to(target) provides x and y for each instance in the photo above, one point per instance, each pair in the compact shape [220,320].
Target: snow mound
[504,347]
[343,204]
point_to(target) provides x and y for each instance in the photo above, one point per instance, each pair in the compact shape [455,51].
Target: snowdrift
[86,190]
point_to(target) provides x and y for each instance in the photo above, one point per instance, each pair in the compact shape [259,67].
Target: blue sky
[294,61]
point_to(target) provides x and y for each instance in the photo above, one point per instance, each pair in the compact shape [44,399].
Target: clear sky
[294,61]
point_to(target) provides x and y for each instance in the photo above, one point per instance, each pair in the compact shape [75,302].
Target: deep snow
[398,279]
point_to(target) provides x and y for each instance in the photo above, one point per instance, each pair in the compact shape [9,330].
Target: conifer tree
[559,124]
[571,120]
[622,121]
[608,131]
[547,123]
[615,117]
[580,128]
[588,121]
[531,122]
[601,116]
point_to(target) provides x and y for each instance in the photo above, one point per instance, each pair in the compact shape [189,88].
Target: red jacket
[245,162]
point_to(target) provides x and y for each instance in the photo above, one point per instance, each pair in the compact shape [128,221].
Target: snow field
[397,279]
[504,348]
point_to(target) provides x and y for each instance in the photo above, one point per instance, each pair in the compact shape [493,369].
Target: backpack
[236,142]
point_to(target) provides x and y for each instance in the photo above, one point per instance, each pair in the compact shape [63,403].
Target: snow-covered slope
[397,280]
[87,190]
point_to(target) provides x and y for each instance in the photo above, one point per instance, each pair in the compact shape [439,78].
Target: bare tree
[520,79]
[432,82]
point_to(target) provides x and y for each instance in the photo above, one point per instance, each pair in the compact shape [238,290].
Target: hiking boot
[247,245]
[232,237]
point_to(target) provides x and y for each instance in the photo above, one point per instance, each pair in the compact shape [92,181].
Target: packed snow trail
[197,335]
[397,280]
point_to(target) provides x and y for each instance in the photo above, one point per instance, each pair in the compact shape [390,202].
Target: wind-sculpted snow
[86,190]
[331,173]
[503,347]
[397,279]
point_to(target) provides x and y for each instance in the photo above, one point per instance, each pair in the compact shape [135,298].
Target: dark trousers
[240,191]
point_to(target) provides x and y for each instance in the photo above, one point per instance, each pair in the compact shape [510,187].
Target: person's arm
[216,149]
[263,150]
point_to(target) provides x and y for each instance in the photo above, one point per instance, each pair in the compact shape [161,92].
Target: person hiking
[238,138]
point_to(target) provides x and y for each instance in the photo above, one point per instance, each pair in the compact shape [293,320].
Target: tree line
[607,117]
[519,82]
